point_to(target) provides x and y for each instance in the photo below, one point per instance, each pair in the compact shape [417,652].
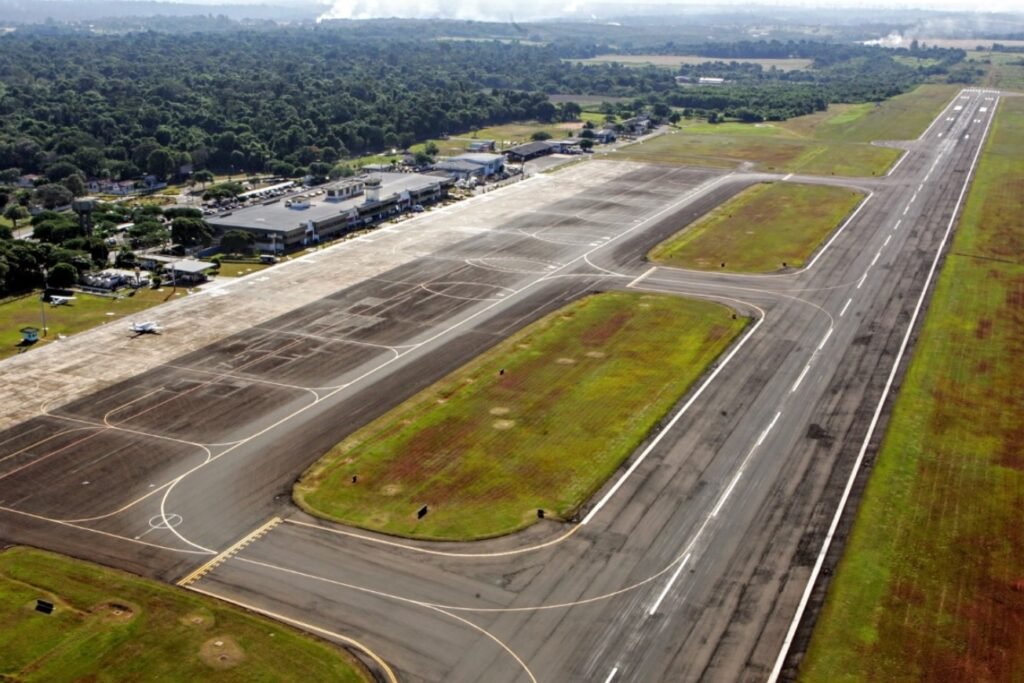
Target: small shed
[29,335]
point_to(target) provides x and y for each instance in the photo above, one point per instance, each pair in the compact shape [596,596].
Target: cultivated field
[485,449]
[931,585]
[1003,70]
[766,228]
[676,61]
[112,626]
[835,142]
[84,312]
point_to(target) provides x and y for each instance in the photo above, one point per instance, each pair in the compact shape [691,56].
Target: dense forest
[77,105]
[84,105]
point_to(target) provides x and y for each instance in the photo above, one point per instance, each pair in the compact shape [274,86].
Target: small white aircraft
[60,300]
[148,327]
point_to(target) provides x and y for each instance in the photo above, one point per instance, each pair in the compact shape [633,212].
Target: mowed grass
[834,142]
[1003,70]
[675,61]
[580,391]
[239,268]
[931,584]
[83,313]
[505,135]
[766,228]
[112,626]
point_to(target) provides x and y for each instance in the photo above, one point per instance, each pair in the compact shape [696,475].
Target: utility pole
[42,301]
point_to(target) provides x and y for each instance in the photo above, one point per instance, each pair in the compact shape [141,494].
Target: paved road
[689,565]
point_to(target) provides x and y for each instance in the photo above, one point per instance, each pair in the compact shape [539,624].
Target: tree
[75,184]
[52,195]
[203,177]
[62,275]
[541,135]
[431,148]
[15,213]
[422,159]
[191,232]
[586,144]
[238,242]
[160,163]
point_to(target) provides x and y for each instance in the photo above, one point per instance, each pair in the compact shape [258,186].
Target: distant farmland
[675,61]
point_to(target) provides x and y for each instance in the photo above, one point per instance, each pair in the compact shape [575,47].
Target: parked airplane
[148,327]
[60,300]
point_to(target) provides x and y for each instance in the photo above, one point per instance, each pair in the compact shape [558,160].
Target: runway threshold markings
[207,567]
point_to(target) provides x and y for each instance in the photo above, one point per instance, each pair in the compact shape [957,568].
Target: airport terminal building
[326,212]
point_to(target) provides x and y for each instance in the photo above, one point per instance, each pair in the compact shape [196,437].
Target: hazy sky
[530,9]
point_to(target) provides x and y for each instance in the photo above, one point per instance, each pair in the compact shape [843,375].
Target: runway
[690,564]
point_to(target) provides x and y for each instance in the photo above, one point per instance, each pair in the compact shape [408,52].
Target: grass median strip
[766,228]
[931,584]
[541,421]
[84,312]
[111,626]
[832,142]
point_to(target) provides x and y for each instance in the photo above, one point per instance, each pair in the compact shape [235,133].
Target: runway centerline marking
[845,306]
[799,379]
[861,281]
[668,586]
[822,344]
[611,675]
[897,226]
[771,424]
[875,260]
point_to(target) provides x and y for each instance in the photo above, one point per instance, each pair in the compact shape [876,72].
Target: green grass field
[112,626]
[675,61]
[581,389]
[238,269]
[505,135]
[84,312]
[835,142]
[1003,70]
[759,230]
[931,584]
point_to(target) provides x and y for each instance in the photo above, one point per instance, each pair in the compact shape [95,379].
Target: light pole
[42,301]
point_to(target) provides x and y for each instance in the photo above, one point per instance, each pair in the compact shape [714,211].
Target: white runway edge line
[640,278]
[672,423]
[837,233]
[816,570]
[324,633]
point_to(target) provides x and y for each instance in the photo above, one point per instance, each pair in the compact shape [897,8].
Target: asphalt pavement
[690,564]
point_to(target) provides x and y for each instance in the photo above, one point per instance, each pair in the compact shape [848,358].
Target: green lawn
[112,626]
[931,584]
[237,269]
[84,312]
[505,136]
[762,228]
[581,389]
[834,142]
[1003,70]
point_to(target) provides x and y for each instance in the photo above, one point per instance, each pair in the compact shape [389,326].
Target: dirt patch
[197,620]
[983,329]
[391,489]
[499,410]
[596,354]
[566,361]
[221,652]
[503,424]
[115,612]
